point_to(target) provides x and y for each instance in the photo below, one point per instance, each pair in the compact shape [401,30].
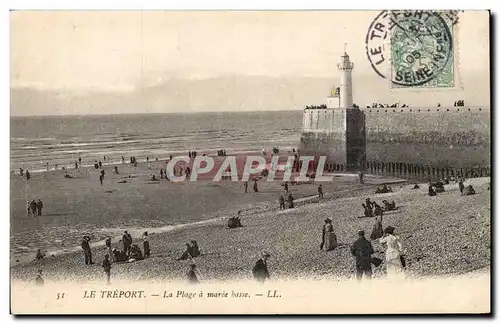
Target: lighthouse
[345,67]
[337,132]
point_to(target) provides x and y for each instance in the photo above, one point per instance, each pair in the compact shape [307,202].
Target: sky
[157,61]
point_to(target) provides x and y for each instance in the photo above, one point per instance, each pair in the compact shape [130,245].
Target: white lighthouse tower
[345,67]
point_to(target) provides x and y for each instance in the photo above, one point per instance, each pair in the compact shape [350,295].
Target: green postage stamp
[419,45]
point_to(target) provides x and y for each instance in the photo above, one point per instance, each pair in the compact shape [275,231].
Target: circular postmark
[420,45]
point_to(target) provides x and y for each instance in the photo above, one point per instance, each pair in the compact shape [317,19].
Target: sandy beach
[81,206]
[436,231]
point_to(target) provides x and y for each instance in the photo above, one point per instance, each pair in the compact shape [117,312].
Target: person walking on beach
[33,207]
[290,201]
[393,253]
[28,208]
[161,173]
[282,202]
[79,160]
[461,185]
[123,160]
[260,271]
[39,207]
[28,175]
[329,239]
[286,187]
[107,268]
[147,251]
[87,253]
[255,189]
[246,186]
[39,280]
[127,242]
[362,250]
[320,191]
[360,176]
[191,276]
[101,176]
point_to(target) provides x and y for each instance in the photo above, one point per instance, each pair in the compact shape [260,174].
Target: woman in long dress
[329,238]
[393,253]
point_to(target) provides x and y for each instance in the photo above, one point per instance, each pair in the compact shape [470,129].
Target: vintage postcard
[250,162]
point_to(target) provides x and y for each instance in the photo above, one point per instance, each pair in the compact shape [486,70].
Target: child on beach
[147,251]
[192,278]
[107,267]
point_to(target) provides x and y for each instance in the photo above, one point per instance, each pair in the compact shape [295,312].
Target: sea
[36,141]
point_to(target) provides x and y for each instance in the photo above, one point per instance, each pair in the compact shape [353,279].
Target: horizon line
[160,113]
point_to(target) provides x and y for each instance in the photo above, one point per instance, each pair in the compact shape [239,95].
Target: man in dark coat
[290,201]
[127,242]
[362,250]
[87,253]
[282,202]
[260,271]
[39,207]
[33,207]
[320,191]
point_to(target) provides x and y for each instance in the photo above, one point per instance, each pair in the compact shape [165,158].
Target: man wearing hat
[87,253]
[362,250]
[127,242]
[260,271]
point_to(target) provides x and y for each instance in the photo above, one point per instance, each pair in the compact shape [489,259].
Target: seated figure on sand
[369,203]
[135,253]
[389,205]
[39,255]
[432,192]
[188,253]
[234,222]
[438,186]
[367,210]
[195,249]
[377,210]
[469,190]
[415,186]
[119,256]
